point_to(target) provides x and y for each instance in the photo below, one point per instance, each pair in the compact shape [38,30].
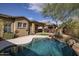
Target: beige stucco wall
[32,28]
[2,22]
[21,31]
[1,27]
[6,20]
[12,27]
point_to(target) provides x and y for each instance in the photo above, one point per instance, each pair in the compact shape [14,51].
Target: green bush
[41,33]
[8,35]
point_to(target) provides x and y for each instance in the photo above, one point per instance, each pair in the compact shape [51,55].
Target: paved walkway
[19,41]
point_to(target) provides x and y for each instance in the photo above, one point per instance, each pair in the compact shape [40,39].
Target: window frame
[24,25]
[7,27]
[19,25]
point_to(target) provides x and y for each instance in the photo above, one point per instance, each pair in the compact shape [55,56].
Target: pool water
[46,47]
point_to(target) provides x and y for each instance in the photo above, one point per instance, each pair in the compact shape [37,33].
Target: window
[19,25]
[24,25]
[7,27]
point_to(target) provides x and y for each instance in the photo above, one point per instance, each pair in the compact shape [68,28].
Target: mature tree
[62,12]
[59,11]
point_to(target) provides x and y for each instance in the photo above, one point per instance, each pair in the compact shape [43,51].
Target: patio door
[7,27]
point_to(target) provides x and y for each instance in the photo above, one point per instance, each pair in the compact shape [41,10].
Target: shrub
[8,35]
[17,31]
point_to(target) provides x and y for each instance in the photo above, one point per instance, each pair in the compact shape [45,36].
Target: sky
[30,11]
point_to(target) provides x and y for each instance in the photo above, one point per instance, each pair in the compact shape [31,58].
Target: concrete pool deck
[19,40]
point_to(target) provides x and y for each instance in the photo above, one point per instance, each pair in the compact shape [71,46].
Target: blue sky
[31,11]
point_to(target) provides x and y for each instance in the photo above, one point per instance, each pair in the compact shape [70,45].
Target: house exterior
[16,25]
[5,22]
[19,25]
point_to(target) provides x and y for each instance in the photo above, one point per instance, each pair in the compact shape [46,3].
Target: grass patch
[42,33]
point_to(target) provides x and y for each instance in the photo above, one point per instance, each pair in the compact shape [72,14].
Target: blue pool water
[46,47]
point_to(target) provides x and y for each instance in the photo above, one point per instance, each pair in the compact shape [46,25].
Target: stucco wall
[32,28]
[1,27]
[3,21]
[21,31]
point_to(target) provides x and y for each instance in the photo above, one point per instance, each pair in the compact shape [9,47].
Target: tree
[70,27]
[59,11]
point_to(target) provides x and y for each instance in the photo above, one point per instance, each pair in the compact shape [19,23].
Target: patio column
[1,28]
[33,28]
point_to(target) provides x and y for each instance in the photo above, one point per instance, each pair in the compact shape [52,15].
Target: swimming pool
[44,47]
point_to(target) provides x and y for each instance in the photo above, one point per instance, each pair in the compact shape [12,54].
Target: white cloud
[35,7]
[50,21]
[30,18]
[46,21]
